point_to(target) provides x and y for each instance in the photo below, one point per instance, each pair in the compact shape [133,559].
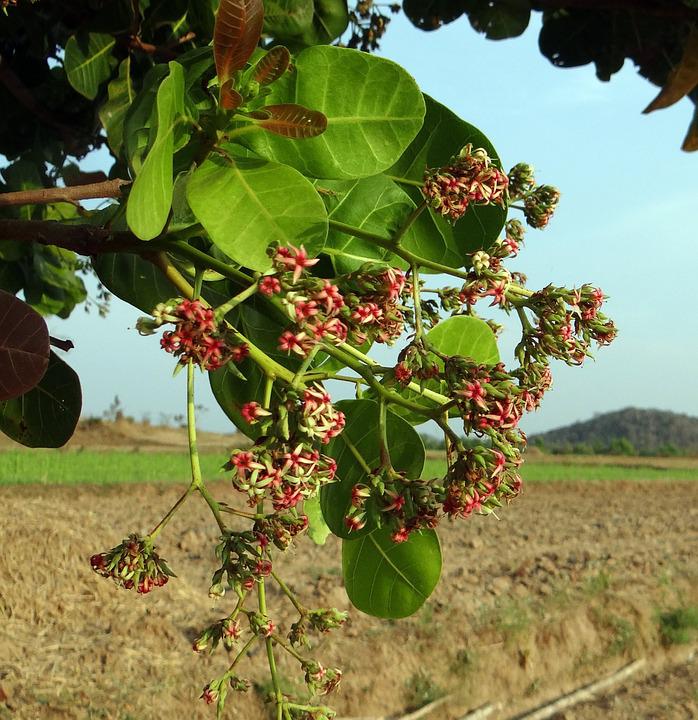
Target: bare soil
[563,589]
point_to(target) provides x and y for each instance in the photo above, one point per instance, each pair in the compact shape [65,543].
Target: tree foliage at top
[659,36]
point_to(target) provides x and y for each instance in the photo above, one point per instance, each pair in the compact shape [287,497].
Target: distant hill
[648,432]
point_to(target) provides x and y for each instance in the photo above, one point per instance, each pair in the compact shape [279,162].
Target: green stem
[405,181]
[290,650]
[223,310]
[525,322]
[268,388]
[418,330]
[240,655]
[429,394]
[196,478]
[202,259]
[307,360]
[442,422]
[269,643]
[171,512]
[409,222]
[289,594]
[357,455]
[388,244]
[383,436]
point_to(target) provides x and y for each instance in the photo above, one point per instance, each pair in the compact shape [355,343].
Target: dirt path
[563,589]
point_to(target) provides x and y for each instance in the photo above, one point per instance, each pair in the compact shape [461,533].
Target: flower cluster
[226,631]
[321,620]
[567,322]
[365,308]
[133,564]
[321,680]
[540,204]
[242,562]
[469,179]
[197,336]
[521,181]
[283,472]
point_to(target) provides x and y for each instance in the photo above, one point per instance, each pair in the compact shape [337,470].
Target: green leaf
[140,124]
[500,20]
[317,527]
[360,438]
[52,285]
[373,204]
[387,579]
[465,336]
[113,113]
[150,199]
[133,279]
[245,204]
[330,20]
[88,62]
[24,347]
[305,22]
[46,416]
[287,18]
[459,335]
[373,107]
[442,136]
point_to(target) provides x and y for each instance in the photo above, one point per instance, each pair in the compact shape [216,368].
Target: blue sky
[625,223]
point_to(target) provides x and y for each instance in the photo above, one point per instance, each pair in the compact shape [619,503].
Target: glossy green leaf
[245,204]
[358,446]
[373,204]
[441,137]
[150,199]
[459,335]
[140,123]
[133,279]
[88,62]
[24,347]
[465,336]
[387,579]
[112,114]
[373,107]
[317,527]
[46,416]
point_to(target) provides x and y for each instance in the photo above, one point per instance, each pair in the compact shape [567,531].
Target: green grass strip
[54,467]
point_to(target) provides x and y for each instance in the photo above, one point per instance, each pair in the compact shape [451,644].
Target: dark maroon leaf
[292,121]
[24,347]
[230,98]
[272,66]
[235,35]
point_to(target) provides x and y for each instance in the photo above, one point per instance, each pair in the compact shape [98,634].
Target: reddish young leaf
[272,66]
[230,98]
[235,35]
[292,121]
[24,347]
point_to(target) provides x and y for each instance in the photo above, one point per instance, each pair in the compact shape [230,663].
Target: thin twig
[71,194]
